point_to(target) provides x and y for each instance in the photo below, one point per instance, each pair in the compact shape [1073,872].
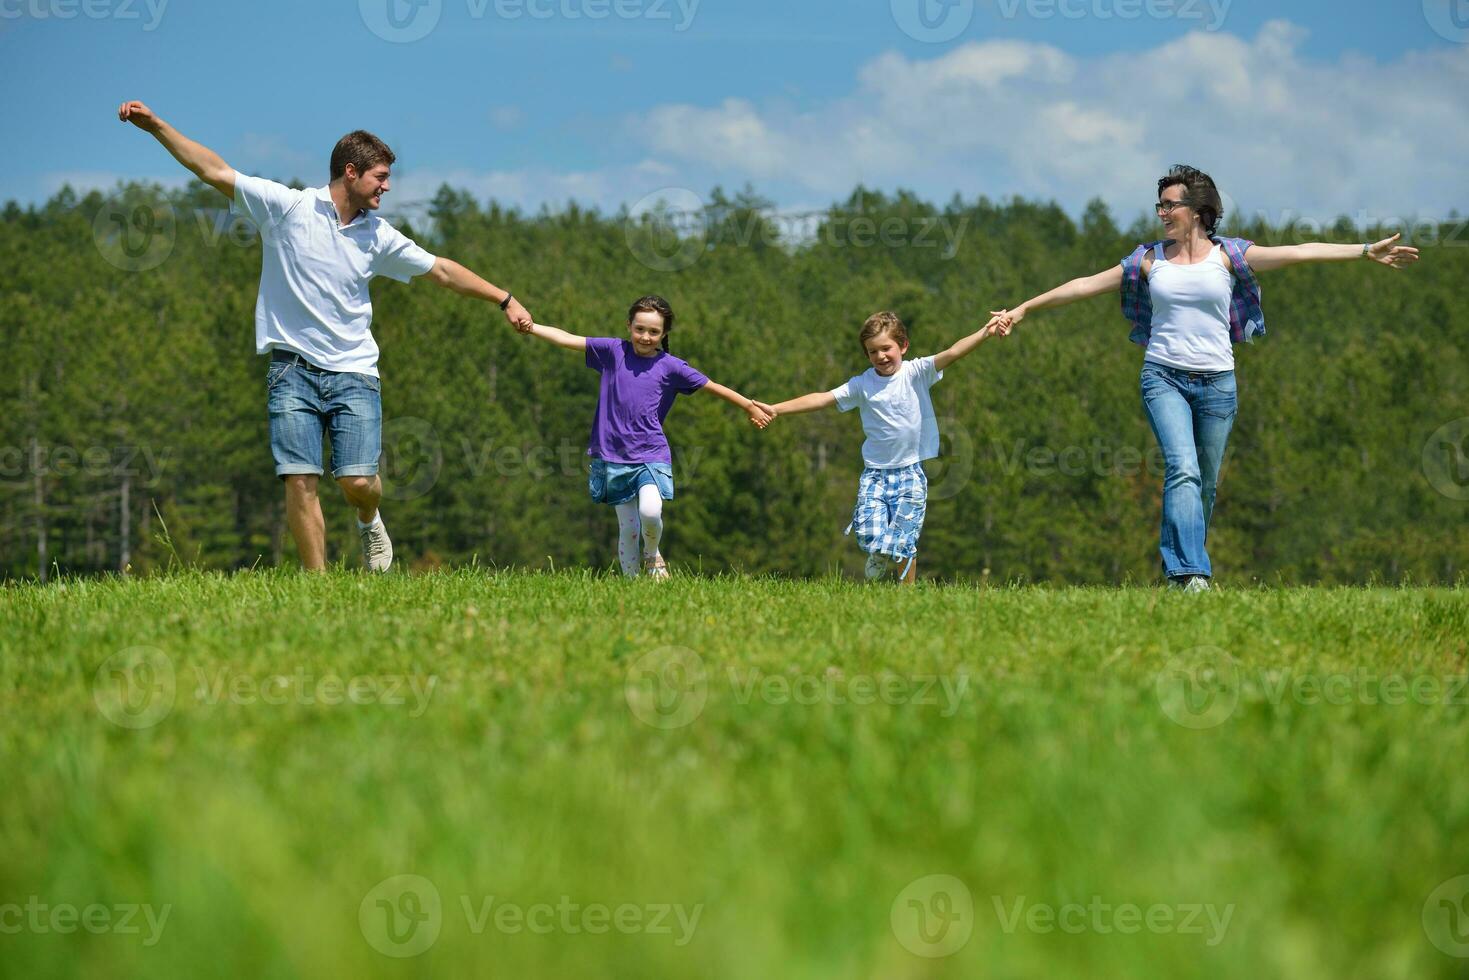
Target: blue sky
[1312,107]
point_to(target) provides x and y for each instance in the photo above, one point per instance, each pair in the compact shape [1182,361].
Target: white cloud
[1277,129]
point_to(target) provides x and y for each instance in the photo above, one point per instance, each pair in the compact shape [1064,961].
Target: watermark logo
[1199,688]
[933,916]
[90,9]
[1448,18]
[135,688]
[401,916]
[1211,14]
[1446,917]
[667,688]
[134,235]
[401,21]
[933,21]
[1104,918]
[412,458]
[955,464]
[1446,459]
[667,231]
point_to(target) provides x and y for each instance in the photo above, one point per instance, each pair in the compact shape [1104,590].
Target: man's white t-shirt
[314,273]
[897,413]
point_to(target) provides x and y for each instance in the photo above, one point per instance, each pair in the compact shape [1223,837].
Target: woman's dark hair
[655,304]
[1199,193]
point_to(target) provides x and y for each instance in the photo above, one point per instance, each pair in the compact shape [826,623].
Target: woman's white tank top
[1191,313]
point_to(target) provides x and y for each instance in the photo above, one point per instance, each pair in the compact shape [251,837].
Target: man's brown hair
[362,150]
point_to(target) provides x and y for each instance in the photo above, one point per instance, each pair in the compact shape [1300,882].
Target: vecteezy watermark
[90,9]
[100,462]
[1104,918]
[134,235]
[412,458]
[668,688]
[1446,459]
[1446,917]
[64,918]
[1202,688]
[403,916]
[1448,18]
[138,687]
[671,228]
[1210,13]
[405,21]
[933,21]
[933,916]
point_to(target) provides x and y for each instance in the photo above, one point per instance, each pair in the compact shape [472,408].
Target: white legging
[645,513]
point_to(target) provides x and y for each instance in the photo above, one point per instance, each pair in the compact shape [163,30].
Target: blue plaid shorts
[891,505]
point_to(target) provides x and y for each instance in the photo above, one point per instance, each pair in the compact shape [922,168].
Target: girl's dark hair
[1199,193]
[655,304]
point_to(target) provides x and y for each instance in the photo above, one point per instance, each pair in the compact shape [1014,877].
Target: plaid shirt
[1246,318]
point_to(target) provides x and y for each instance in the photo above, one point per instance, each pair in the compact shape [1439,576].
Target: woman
[1190,297]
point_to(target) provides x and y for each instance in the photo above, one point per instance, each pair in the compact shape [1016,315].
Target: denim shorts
[307,403]
[617,483]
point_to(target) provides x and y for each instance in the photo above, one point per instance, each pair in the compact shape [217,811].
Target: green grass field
[231,776]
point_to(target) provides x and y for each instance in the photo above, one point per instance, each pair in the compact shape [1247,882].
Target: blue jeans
[307,402]
[617,483]
[1191,413]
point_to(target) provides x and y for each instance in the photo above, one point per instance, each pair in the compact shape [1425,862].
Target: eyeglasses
[1166,207]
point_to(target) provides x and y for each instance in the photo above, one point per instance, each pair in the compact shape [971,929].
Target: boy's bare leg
[912,575]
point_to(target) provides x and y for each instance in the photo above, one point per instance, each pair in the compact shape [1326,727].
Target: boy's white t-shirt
[897,413]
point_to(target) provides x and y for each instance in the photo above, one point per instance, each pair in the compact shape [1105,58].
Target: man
[314,317]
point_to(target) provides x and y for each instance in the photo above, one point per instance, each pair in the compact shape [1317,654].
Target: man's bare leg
[362,492]
[303,514]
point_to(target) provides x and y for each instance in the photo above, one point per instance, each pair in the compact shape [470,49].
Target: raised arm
[1264,258]
[452,275]
[943,359]
[813,402]
[758,415]
[556,335]
[1109,280]
[199,159]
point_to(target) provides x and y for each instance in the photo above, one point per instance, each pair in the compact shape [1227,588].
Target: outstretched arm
[1107,281]
[943,359]
[452,275]
[1264,258]
[557,336]
[758,415]
[813,402]
[199,159]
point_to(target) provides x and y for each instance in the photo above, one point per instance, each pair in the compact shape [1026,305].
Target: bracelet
[1364,250]
[509,296]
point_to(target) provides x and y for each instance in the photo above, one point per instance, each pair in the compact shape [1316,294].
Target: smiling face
[1179,222]
[885,353]
[366,190]
[646,330]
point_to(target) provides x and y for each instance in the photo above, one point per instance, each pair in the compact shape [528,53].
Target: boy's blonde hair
[878,324]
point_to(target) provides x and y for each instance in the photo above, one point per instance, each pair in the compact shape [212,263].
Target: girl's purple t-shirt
[634,399]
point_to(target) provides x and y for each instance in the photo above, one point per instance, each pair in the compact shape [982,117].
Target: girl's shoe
[655,567]
[877,567]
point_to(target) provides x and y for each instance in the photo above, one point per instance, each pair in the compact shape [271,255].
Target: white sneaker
[1197,583]
[877,567]
[377,547]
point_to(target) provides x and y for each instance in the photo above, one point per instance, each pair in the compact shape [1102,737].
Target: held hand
[758,415]
[1006,320]
[1393,256]
[768,409]
[519,317]
[139,115]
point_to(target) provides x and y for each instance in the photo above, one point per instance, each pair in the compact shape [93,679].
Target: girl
[898,420]
[632,465]
[1190,298]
